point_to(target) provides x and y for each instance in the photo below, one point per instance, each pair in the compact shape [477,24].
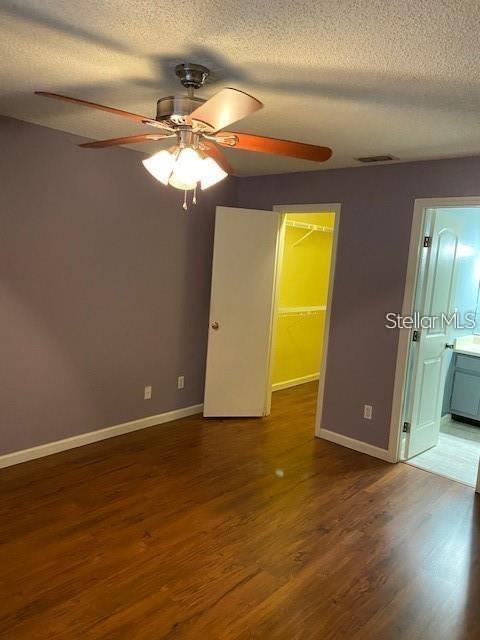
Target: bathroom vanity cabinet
[465,398]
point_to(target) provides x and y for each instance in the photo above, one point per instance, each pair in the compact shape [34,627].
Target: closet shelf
[310,228]
[301,311]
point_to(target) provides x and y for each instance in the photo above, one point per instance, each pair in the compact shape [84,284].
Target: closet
[302,298]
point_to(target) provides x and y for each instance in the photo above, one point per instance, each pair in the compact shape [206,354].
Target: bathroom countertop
[468,345]
[468,352]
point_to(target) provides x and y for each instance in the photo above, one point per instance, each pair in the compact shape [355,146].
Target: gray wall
[104,287]
[377,207]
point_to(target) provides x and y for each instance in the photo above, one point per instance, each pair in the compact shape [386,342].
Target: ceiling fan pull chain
[194,199]
[185,207]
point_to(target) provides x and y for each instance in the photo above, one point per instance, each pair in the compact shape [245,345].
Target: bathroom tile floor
[456,455]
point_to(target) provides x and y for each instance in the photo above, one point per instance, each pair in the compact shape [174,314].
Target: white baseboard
[82,439]
[293,383]
[356,445]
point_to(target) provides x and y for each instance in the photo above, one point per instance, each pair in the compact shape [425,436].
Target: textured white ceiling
[362,76]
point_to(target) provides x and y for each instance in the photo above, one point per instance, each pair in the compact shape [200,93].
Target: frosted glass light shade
[211,173]
[186,172]
[184,168]
[160,165]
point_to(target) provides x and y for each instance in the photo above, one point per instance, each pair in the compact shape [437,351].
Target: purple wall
[104,287]
[377,207]
[104,283]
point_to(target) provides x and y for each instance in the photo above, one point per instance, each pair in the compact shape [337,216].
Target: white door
[437,296]
[241,308]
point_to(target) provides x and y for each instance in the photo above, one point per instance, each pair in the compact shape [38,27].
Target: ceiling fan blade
[226,107]
[101,107]
[113,142]
[276,146]
[215,153]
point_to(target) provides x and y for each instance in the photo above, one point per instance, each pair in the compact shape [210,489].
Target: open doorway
[302,294]
[441,409]
[245,304]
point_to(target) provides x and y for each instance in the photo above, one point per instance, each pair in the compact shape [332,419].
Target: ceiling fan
[198,126]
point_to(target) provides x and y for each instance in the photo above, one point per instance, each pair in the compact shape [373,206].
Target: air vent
[368,159]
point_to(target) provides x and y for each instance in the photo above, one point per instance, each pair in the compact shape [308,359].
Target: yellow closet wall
[303,283]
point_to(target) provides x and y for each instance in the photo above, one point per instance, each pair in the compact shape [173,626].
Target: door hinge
[427,241]
[415,336]
[406,427]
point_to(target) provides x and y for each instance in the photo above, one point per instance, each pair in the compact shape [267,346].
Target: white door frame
[416,245]
[328,207]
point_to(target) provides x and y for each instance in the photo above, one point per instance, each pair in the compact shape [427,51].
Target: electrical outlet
[181,382]
[367,411]
[147,393]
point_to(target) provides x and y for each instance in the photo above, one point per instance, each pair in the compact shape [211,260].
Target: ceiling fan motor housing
[174,111]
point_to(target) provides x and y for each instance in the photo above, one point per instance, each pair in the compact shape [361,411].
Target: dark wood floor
[235,529]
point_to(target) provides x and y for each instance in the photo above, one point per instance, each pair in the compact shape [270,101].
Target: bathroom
[442,397]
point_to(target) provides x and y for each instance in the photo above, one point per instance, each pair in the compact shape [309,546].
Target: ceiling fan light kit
[184,167]
[198,125]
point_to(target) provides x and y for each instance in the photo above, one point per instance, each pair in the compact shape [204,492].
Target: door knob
[449,346]
[215,325]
